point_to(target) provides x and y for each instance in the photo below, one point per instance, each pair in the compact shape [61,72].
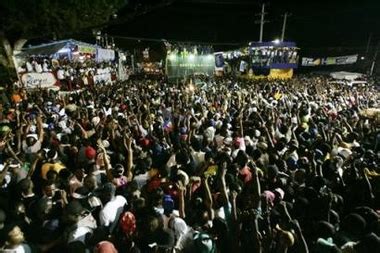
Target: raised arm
[223,186]
[257,186]
[128,146]
[14,155]
[181,199]
[208,198]
[106,161]
[82,130]
[40,129]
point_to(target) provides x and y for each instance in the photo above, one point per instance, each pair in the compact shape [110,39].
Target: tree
[21,20]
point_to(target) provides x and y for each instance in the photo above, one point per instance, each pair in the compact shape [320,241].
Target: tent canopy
[54,47]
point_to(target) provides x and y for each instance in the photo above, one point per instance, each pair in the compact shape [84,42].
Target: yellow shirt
[51,166]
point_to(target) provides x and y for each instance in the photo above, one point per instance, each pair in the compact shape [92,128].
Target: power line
[180,41]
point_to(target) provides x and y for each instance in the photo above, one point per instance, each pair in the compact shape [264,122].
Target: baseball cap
[90,153]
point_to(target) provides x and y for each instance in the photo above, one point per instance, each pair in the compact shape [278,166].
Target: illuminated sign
[178,66]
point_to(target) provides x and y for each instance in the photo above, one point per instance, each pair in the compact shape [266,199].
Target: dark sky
[314,23]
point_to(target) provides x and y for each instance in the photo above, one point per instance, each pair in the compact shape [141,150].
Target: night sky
[314,24]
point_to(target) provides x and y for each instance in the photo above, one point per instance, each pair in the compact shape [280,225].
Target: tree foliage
[48,18]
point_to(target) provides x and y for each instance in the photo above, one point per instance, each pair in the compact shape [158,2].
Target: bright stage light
[172,57]
[210,56]
[276,41]
[191,56]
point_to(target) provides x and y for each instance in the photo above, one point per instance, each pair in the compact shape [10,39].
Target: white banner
[308,61]
[38,80]
[349,59]
[104,55]
[339,60]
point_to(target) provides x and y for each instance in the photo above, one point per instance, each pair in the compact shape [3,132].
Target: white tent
[342,75]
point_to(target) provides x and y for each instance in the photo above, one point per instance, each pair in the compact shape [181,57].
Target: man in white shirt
[60,74]
[113,207]
[29,67]
[38,67]
[45,66]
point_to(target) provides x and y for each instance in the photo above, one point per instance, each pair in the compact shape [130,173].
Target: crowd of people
[154,166]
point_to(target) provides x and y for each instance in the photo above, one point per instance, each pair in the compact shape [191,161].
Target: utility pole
[286,15]
[262,21]
[374,60]
[106,40]
[368,44]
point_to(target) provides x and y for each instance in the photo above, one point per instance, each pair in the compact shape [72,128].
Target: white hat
[257,133]
[34,136]
[105,143]
[95,120]
[227,141]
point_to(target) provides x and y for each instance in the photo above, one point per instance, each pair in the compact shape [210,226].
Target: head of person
[51,155]
[31,139]
[49,189]
[15,237]
[52,176]
[73,212]
[108,192]
[118,171]
[90,182]
[105,247]
[26,186]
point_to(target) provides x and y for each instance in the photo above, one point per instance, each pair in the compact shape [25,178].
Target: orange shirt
[16,98]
